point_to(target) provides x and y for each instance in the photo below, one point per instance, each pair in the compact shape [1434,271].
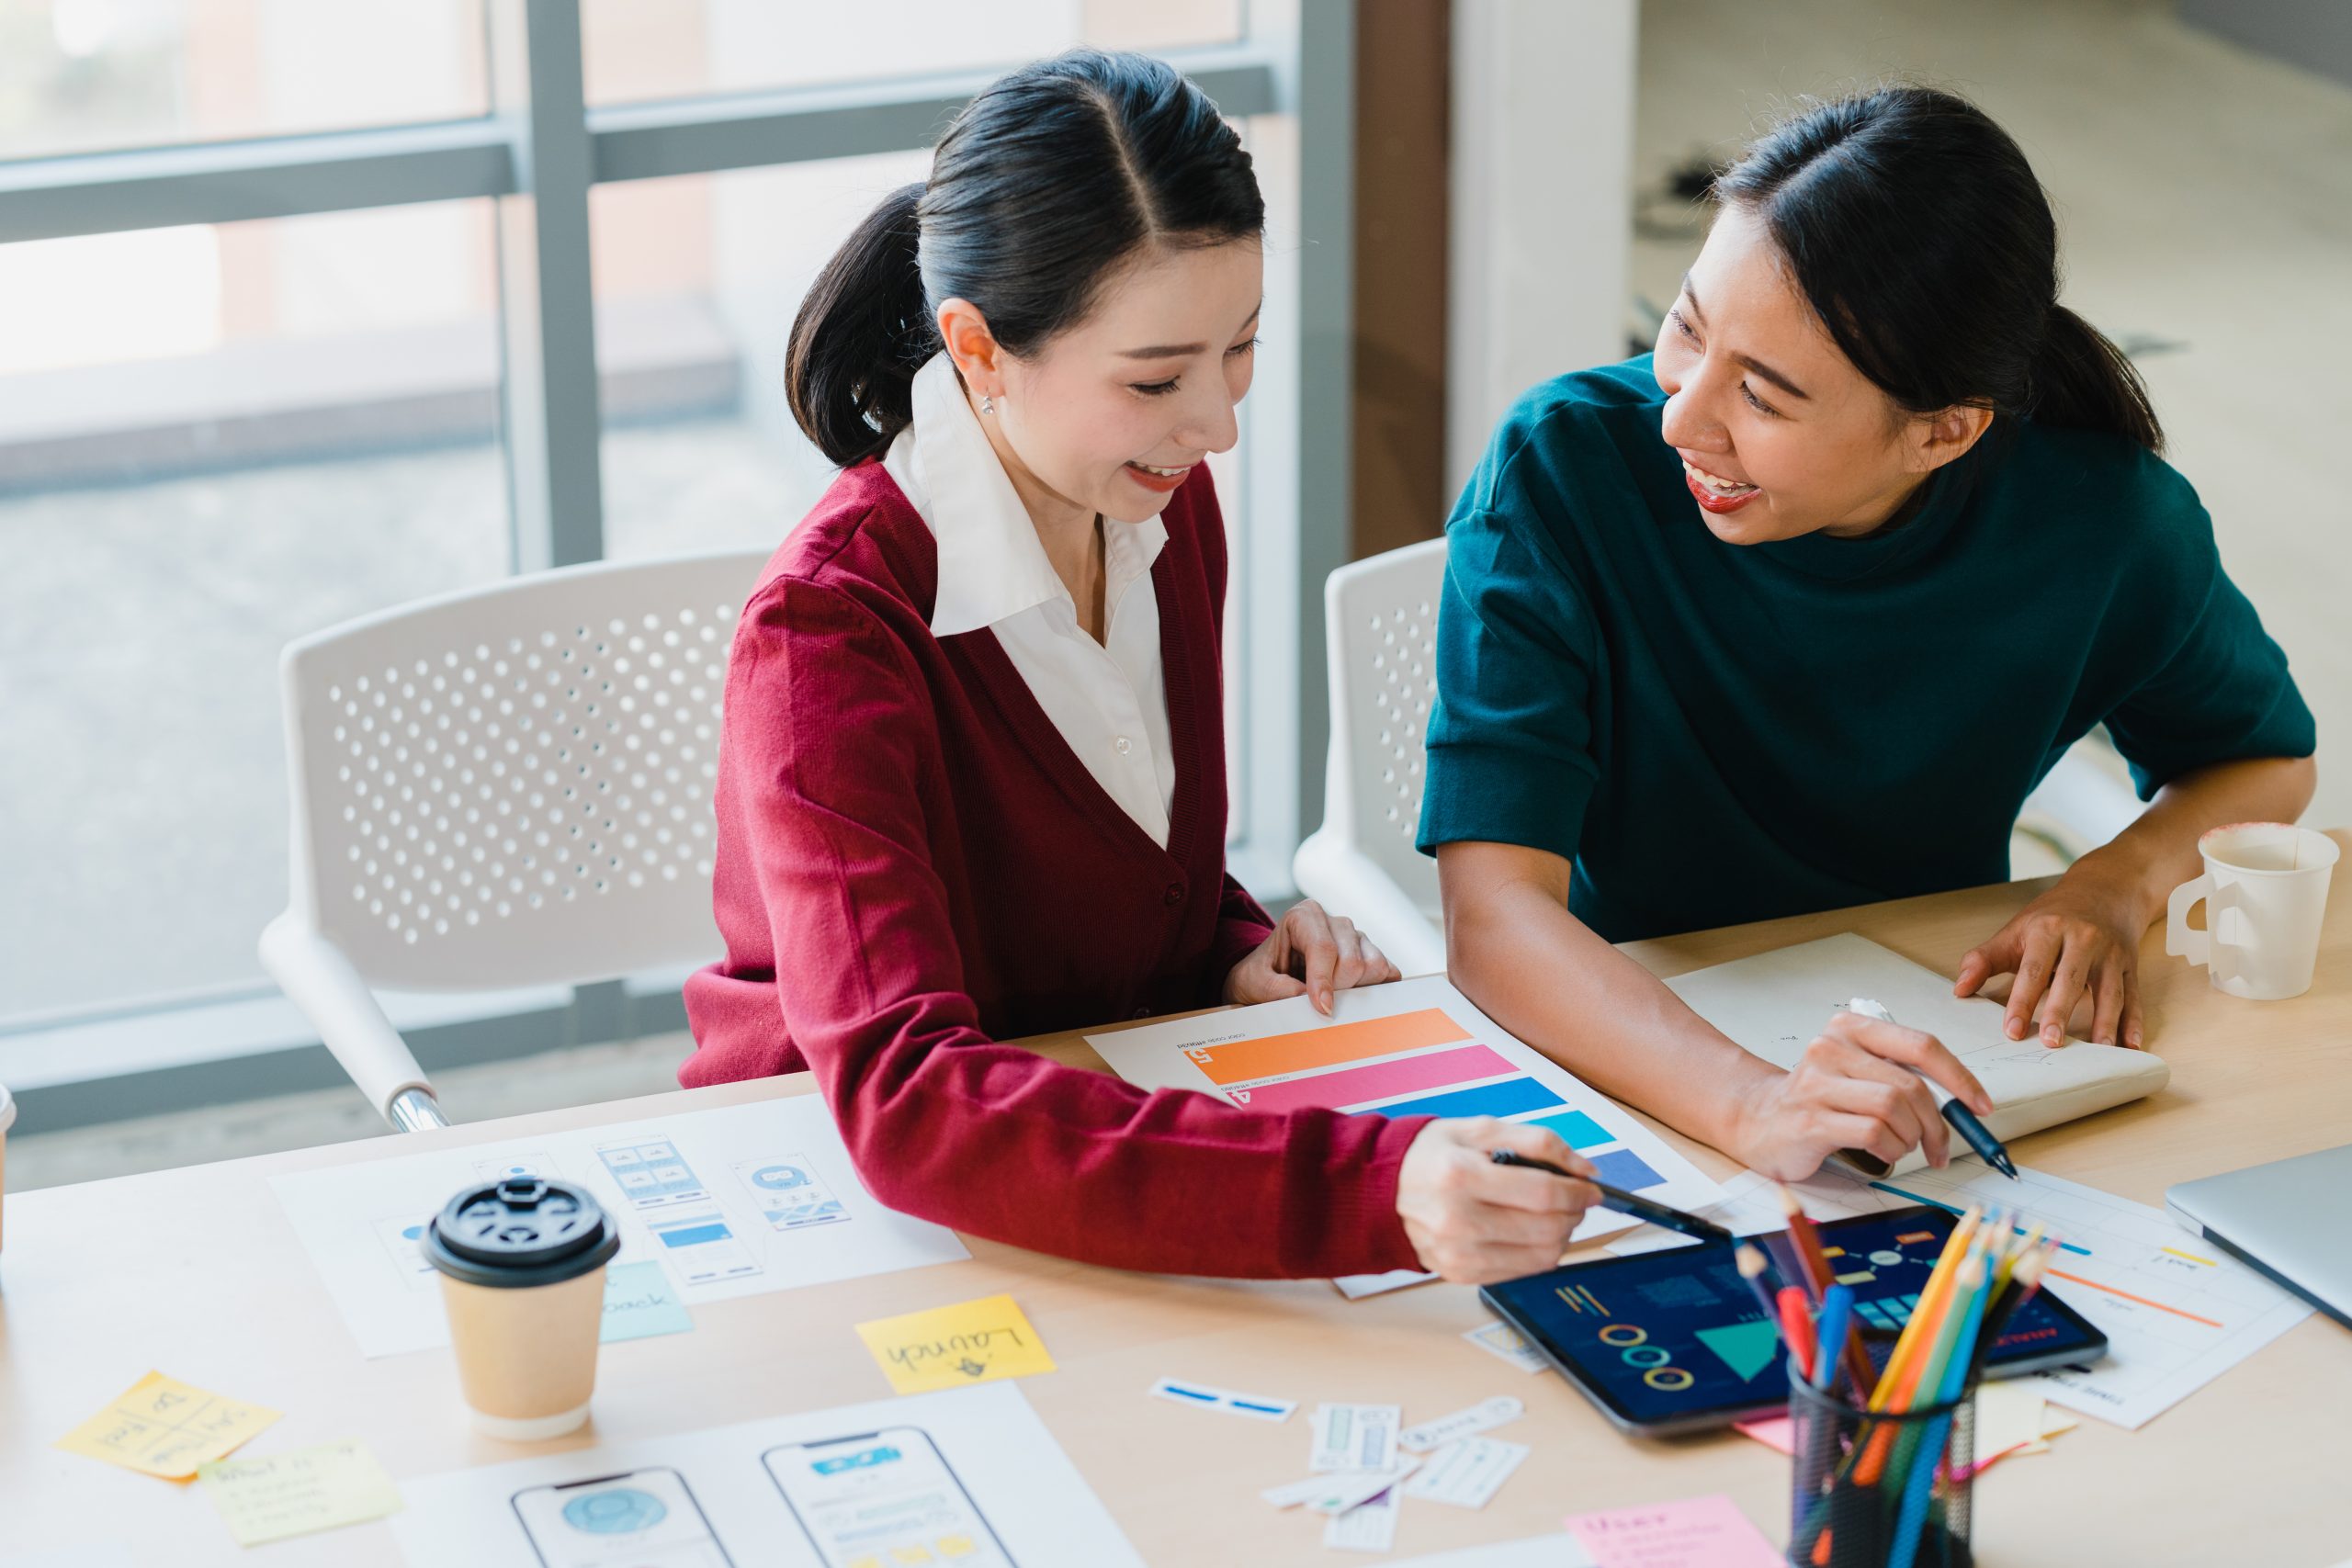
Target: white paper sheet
[1467,1475]
[1458,1061]
[1776,1003]
[2177,1313]
[1368,1526]
[732,1201]
[1484,1416]
[973,1468]
[1354,1437]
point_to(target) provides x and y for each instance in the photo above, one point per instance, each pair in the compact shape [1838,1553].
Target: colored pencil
[1807,1242]
[1837,1323]
[1796,1330]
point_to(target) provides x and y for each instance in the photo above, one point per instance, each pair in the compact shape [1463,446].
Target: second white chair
[1380,632]
[507,787]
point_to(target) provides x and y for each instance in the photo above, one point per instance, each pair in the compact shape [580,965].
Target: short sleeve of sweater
[1512,738]
[2223,692]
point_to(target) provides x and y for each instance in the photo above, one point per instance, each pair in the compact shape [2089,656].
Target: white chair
[2080,805]
[501,787]
[1380,630]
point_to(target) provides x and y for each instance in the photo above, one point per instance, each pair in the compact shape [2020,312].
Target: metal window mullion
[553,418]
[230,182]
[1327,106]
[795,124]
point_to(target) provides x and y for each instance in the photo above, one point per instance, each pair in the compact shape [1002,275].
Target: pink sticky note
[1699,1532]
[1776,1432]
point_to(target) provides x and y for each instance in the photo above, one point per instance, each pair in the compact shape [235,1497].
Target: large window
[314,289]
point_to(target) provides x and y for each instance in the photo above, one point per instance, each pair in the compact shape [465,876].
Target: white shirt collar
[991,564]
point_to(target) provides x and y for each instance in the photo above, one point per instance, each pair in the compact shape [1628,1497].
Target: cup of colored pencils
[1883,1446]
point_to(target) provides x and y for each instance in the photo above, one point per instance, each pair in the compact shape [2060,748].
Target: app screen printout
[883,1499]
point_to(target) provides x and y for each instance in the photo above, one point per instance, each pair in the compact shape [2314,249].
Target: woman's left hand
[1313,953]
[2079,941]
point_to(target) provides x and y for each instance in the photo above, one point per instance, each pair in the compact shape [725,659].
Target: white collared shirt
[1109,700]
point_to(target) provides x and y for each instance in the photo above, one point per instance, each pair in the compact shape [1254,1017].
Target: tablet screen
[1664,1337]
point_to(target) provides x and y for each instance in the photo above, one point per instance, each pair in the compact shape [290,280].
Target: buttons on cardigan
[1175,895]
[1140,1012]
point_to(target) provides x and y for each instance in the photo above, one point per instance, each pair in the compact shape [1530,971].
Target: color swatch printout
[1415,1048]
[2177,1311]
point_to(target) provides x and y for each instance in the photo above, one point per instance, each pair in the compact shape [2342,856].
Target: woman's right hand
[1852,1089]
[1474,1222]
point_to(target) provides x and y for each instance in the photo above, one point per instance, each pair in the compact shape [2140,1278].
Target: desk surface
[196,1272]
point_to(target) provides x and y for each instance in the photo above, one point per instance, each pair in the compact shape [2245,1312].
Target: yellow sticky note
[2011,1416]
[321,1488]
[164,1427]
[952,1345]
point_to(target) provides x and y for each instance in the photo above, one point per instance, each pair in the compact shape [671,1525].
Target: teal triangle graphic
[1745,1348]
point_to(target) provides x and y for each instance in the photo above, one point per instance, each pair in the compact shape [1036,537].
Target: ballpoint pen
[1625,1202]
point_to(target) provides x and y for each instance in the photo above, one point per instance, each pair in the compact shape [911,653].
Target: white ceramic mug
[2265,891]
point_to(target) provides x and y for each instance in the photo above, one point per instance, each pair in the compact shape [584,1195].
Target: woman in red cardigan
[972,778]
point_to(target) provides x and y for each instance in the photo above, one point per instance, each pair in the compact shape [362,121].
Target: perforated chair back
[1381,632]
[511,785]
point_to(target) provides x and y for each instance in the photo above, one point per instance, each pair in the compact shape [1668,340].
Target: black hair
[1039,190]
[1919,233]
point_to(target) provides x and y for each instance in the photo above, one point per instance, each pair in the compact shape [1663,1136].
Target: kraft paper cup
[522,1264]
[526,1359]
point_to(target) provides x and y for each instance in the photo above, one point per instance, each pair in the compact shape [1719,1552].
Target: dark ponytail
[861,334]
[1919,235]
[1043,187]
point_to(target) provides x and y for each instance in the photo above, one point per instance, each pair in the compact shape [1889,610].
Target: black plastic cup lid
[520,1232]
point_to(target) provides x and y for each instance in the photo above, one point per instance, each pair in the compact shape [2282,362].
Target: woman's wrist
[1740,1108]
[2127,876]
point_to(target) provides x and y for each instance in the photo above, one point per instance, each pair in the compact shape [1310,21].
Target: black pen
[1963,1121]
[1625,1202]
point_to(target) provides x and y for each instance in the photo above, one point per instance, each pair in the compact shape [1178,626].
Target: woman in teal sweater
[1793,614]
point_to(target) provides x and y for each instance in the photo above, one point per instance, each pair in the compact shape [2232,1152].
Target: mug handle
[2180,942]
[2196,946]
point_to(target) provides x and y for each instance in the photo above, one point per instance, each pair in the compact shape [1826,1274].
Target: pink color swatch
[1354,1086]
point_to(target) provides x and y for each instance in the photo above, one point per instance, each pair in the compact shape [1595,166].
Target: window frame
[537,154]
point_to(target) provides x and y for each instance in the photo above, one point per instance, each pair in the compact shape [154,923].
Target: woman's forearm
[2158,851]
[1516,951]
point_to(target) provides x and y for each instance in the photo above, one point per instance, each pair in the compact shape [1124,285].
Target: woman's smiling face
[1779,433]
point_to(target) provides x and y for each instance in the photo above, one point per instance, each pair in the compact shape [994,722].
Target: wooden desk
[196,1272]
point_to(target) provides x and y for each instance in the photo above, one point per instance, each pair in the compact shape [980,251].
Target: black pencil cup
[1880,1491]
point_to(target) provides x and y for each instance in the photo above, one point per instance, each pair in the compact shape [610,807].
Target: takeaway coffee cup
[2265,891]
[522,1264]
[7,1119]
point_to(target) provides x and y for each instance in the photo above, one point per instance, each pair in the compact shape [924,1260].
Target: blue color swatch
[1576,1129]
[1507,1098]
[1624,1169]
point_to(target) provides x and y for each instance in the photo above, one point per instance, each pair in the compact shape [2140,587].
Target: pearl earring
[987,405]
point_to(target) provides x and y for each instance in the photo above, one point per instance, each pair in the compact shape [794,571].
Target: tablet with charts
[1675,1341]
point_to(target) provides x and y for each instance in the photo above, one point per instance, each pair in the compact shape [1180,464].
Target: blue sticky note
[639,1301]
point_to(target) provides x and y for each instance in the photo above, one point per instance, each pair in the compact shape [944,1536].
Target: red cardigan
[912,864]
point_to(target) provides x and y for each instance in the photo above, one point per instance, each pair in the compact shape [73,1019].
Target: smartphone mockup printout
[878,1499]
[642,1518]
[652,1174]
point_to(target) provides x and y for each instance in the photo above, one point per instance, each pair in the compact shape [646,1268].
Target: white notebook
[1775,1003]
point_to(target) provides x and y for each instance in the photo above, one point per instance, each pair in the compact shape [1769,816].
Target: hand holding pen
[1862,1087]
[1962,1118]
